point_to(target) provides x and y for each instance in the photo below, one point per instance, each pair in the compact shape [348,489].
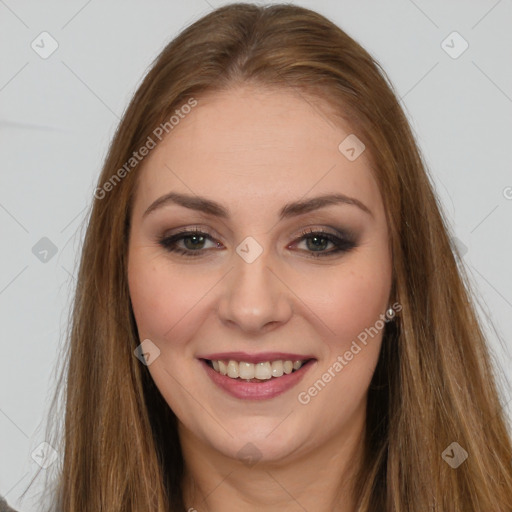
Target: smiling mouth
[257,373]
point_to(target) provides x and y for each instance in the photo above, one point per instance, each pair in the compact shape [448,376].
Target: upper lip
[256,358]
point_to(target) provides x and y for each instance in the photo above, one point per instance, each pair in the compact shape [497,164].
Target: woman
[269,314]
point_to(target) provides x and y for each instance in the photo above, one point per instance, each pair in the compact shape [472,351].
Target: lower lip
[255,390]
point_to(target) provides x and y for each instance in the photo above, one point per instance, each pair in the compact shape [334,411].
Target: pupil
[197,238]
[315,239]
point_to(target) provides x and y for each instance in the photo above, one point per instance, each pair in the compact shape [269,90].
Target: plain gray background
[59,113]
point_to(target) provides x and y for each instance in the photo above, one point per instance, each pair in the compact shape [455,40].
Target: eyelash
[341,244]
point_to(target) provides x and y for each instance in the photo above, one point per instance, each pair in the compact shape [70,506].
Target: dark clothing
[4,507]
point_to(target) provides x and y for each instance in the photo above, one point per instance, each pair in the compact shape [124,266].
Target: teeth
[262,371]
[233,371]
[277,369]
[246,370]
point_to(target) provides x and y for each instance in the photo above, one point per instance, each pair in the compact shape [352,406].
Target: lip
[255,358]
[265,390]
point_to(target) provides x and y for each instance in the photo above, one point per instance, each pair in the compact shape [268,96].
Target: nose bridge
[253,296]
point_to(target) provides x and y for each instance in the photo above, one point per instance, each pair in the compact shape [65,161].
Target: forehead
[249,143]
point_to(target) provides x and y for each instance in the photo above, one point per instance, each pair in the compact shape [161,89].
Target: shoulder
[4,507]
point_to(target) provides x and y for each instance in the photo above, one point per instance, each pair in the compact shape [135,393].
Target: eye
[316,242]
[193,239]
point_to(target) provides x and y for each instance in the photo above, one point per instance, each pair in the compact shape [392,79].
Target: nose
[255,298]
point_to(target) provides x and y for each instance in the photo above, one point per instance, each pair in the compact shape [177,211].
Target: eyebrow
[293,209]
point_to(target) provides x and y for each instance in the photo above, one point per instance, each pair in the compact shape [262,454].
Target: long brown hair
[434,384]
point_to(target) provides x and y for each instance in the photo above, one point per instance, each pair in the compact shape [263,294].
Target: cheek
[161,297]
[352,299]
[353,314]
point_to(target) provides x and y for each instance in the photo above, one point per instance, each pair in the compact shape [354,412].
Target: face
[249,276]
